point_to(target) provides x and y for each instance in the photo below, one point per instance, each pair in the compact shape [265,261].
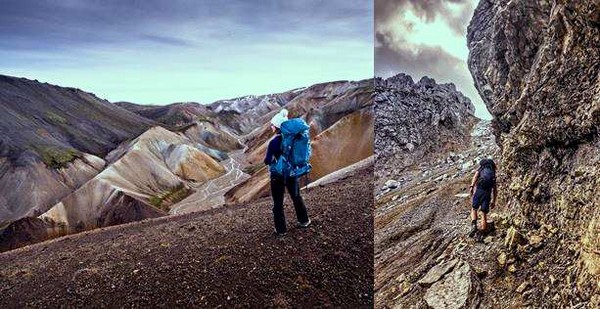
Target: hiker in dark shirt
[279,183]
[484,191]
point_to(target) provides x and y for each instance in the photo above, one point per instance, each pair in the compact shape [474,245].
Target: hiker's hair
[487,163]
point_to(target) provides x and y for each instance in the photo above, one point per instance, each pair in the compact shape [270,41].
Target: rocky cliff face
[536,65]
[414,120]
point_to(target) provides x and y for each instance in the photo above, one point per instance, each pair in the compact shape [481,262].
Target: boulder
[456,290]
[437,272]
[513,238]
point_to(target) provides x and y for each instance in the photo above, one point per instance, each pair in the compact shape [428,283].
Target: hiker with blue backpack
[288,157]
[484,191]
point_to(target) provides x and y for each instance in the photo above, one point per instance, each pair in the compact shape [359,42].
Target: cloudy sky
[426,37]
[154,51]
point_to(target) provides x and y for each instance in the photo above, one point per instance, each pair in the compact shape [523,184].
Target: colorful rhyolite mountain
[72,162]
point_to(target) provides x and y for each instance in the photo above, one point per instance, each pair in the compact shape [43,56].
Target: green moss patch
[56,157]
[55,118]
[253,169]
[172,196]
[201,118]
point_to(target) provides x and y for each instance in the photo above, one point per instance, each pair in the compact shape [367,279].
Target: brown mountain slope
[340,115]
[321,105]
[222,257]
[52,142]
[198,122]
[144,179]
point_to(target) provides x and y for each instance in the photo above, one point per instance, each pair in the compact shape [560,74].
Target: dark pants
[278,185]
[481,199]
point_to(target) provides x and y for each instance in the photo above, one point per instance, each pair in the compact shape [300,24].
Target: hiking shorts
[482,199]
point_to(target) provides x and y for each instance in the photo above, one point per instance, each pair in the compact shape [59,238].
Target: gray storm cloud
[395,53]
[429,10]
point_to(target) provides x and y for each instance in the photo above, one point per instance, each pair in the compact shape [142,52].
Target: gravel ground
[224,257]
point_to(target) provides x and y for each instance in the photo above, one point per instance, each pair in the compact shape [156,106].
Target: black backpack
[487,175]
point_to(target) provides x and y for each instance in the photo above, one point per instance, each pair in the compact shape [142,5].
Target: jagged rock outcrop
[417,119]
[536,65]
[53,140]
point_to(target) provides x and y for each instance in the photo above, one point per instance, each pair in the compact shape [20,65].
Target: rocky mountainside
[142,179]
[428,144]
[423,257]
[536,65]
[414,120]
[53,140]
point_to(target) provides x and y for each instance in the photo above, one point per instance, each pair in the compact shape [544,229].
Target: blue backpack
[295,148]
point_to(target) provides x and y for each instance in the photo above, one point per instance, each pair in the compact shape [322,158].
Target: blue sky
[183,50]
[426,37]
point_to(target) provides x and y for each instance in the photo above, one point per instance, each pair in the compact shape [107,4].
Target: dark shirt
[274,149]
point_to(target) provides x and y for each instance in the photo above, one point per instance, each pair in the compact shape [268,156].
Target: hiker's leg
[473,214]
[294,190]
[475,205]
[473,222]
[483,221]
[277,191]
[485,207]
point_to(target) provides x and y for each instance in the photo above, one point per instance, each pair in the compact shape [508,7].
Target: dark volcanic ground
[226,257]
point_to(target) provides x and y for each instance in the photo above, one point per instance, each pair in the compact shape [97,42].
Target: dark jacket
[274,150]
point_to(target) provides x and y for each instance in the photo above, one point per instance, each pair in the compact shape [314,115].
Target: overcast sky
[426,37]
[155,51]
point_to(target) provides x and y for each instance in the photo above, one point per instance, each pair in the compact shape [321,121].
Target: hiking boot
[473,231]
[304,225]
[479,237]
[278,235]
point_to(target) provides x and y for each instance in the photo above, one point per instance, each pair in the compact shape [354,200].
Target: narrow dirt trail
[421,219]
[211,194]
